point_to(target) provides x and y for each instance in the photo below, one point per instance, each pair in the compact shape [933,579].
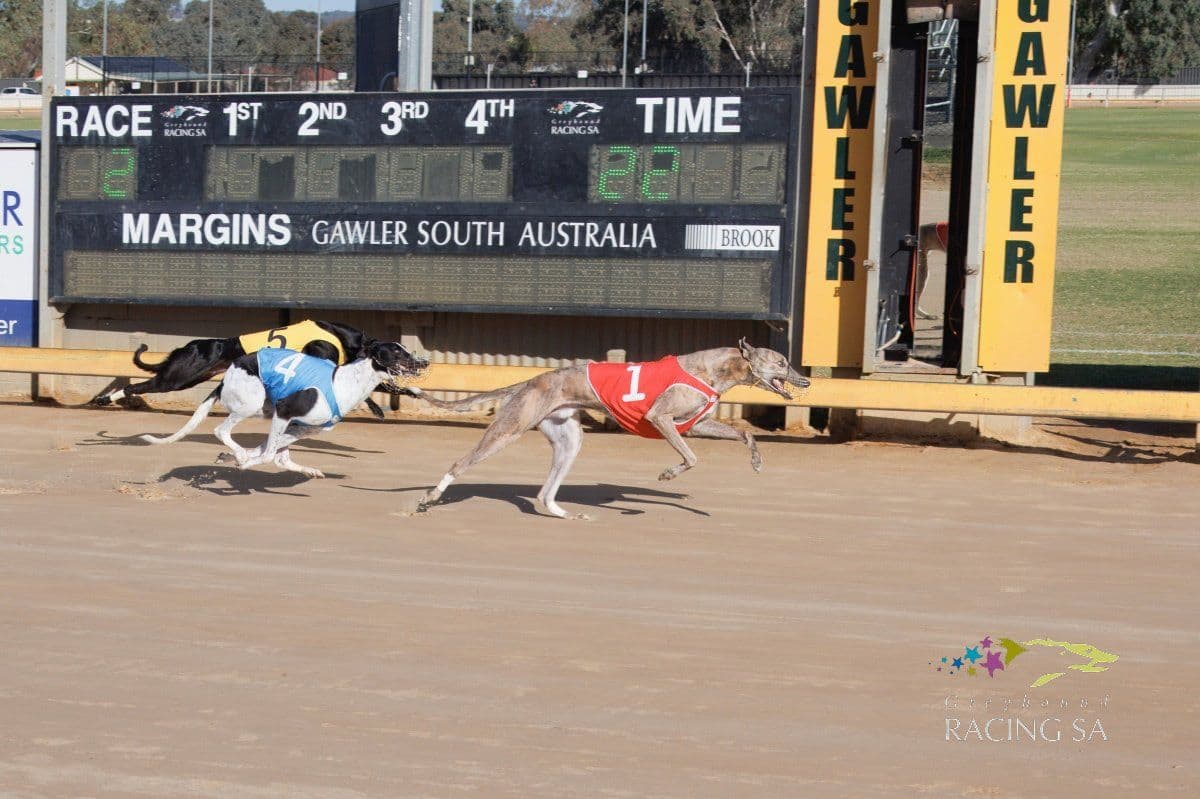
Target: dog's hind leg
[192,423]
[224,433]
[518,415]
[565,433]
[711,428]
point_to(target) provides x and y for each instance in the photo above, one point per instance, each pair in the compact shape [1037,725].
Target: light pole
[625,46]
[104,47]
[211,3]
[645,16]
[318,45]
[1071,53]
[470,32]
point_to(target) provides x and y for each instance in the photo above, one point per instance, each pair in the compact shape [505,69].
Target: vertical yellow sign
[1024,162]
[840,199]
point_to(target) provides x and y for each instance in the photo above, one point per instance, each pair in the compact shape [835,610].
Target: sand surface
[175,628]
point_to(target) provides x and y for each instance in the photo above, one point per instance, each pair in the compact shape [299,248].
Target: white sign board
[18,253]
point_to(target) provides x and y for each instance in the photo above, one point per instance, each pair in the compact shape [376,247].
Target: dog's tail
[474,402]
[192,423]
[149,367]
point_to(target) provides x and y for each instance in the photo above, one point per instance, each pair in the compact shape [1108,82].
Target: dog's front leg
[283,459]
[665,424]
[711,428]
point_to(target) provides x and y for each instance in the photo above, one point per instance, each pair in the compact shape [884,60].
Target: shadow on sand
[229,481]
[249,441]
[602,495]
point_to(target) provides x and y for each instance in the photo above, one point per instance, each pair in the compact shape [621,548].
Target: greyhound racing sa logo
[575,118]
[995,655]
[185,120]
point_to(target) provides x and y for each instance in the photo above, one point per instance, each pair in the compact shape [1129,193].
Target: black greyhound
[204,358]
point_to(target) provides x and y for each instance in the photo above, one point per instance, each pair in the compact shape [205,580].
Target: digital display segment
[414,281]
[97,173]
[693,174]
[359,174]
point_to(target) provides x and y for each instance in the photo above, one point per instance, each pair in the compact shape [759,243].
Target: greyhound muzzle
[779,385]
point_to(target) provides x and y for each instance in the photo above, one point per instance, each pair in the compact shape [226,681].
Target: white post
[318,45]
[104,48]
[470,32]
[489,76]
[1071,54]
[625,47]
[54,57]
[645,16]
[748,66]
[211,3]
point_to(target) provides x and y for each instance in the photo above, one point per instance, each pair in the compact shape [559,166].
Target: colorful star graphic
[972,654]
[986,643]
[994,663]
[957,663]
[971,672]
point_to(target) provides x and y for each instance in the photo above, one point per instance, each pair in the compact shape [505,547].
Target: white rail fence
[1134,93]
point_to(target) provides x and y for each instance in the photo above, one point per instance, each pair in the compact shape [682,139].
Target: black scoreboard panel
[663,202]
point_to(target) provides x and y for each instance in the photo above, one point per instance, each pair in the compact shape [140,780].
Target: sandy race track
[175,628]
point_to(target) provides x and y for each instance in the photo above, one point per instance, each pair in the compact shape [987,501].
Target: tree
[495,35]
[1139,40]
[21,37]
[337,43]
[764,33]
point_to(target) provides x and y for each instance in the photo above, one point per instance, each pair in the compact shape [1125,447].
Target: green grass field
[23,122]
[1128,280]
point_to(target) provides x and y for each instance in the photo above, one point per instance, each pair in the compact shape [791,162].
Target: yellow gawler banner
[1028,100]
[839,203]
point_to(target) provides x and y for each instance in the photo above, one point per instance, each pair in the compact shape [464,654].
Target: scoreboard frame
[693,257]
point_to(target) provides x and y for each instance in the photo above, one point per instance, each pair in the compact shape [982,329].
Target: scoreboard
[662,202]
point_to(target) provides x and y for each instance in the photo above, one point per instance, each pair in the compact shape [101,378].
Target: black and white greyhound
[301,411]
[205,358]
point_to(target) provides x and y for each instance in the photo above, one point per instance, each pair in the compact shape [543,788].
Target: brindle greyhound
[551,402]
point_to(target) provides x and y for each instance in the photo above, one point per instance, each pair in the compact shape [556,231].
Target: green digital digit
[616,172]
[655,171]
[116,192]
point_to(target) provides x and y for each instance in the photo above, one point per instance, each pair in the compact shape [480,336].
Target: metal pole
[318,45]
[104,50]
[54,55]
[211,3]
[1071,53]
[470,31]
[645,16]
[625,47]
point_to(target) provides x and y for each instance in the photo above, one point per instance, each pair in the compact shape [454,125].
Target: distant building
[113,74]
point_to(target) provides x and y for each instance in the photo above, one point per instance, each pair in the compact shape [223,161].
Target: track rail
[881,395]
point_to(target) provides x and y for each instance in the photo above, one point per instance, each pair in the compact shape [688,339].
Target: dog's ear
[747,350]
